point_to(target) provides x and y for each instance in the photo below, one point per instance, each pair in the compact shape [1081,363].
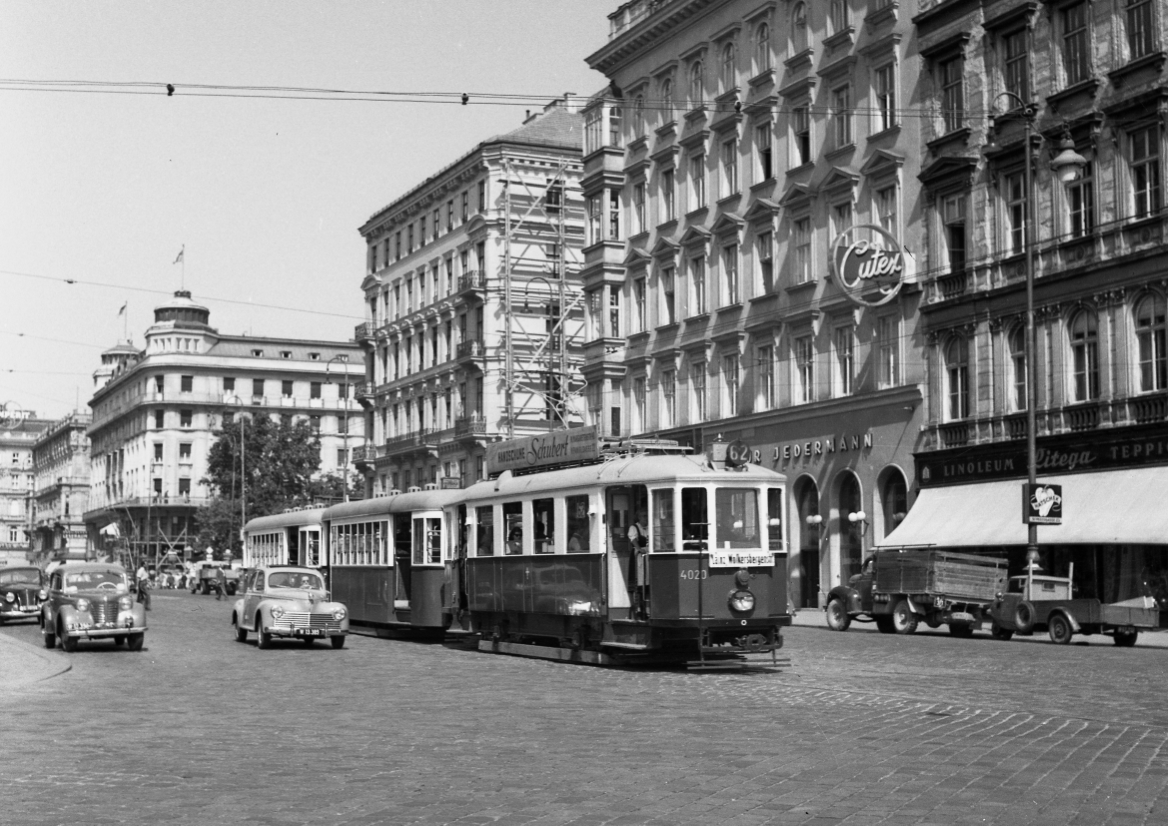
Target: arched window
[729,67]
[696,94]
[957,378]
[667,99]
[1085,356]
[851,530]
[1150,340]
[1016,343]
[893,499]
[762,47]
[800,39]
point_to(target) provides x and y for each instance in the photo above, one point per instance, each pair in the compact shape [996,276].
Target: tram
[389,559]
[622,553]
[289,538]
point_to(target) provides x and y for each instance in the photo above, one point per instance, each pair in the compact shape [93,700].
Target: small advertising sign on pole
[1042,504]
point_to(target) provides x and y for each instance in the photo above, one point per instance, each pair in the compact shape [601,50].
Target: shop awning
[1107,507]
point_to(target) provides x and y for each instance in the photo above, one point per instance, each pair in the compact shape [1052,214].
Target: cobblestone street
[862,728]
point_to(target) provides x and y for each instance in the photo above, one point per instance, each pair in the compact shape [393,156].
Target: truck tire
[1000,633]
[1125,639]
[961,629]
[1059,628]
[904,621]
[884,624]
[837,615]
[1024,617]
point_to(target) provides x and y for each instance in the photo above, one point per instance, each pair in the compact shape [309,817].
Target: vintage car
[91,600]
[22,590]
[288,601]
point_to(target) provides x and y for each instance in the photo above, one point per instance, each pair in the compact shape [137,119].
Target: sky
[101,190]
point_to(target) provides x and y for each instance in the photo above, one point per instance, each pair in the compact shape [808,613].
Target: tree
[279,461]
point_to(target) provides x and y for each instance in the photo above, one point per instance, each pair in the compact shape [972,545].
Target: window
[801,250]
[1144,144]
[614,311]
[668,398]
[1140,29]
[668,295]
[841,104]
[763,150]
[957,378]
[614,214]
[697,180]
[434,225]
[187,383]
[887,209]
[1150,339]
[286,389]
[888,351]
[885,90]
[638,215]
[638,424]
[159,383]
[229,384]
[951,75]
[595,207]
[801,134]
[449,215]
[1016,63]
[184,487]
[614,127]
[668,187]
[158,452]
[257,388]
[697,379]
[1085,356]
[639,312]
[465,206]
[729,67]
[729,386]
[482,196]
[729,167]
[184,451]
[839,17]
[579,533]
[1016,344]
[639,115]
[697,271]
[766,377]
[1081,201]
[159,418]
[666,93]
[805,368]
[766,261]
[953,216]
[1076,45]
[1015,193]
[485,531]
[184,418]
[800,35]
[733,293]
[841,218]
[696,97]
[845,365]
[762,48]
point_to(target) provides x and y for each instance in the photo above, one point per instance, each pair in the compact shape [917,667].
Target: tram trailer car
[390,559]
[289,538]
[552,559]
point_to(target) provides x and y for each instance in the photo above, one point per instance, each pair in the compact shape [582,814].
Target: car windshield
[101,580]
[289,579]
[21,576]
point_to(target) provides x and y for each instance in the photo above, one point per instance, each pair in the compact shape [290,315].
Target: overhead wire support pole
[509,359]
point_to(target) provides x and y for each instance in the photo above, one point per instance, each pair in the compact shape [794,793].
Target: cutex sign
[870,264]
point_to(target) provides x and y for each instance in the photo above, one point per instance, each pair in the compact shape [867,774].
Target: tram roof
[640,469]
[395,503]
[288,519]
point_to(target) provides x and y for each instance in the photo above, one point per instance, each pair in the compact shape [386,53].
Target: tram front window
[737,518]
[695,526]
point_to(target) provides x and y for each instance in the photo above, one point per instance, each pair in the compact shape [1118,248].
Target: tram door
[622,506]
[402,550]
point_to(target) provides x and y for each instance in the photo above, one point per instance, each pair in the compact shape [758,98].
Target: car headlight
[277,612]
[10,597]
[741,601]
[44,594]
[125,604]
[338,613]
[82,605]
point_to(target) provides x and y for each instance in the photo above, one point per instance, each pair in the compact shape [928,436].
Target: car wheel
[240,631]
[837,615]
[119,640]
[50,637]
[884,624]
[338,642]
[1000,633]
[308,641]
[1125,639]
[206,589]
[136,641]
[1059,629]
[961,629]
[69,644]
[904,621]
[264,639]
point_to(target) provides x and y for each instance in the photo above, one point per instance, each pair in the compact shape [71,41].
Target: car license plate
[312,632]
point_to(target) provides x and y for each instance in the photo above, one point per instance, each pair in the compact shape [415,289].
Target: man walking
[143,578]
[220,583]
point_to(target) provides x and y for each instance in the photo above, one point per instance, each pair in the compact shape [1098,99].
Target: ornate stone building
[60,463]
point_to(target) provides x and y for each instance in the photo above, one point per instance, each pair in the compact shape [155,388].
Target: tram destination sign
[559,447]
[727,558]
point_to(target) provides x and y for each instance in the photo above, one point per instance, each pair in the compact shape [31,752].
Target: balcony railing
[953,435]
[363,331]
[474,425]
[473,280]
[471,349]
[1148,409]
[1081,417]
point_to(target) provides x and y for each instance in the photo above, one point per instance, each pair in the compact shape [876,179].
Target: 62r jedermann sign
[870,264]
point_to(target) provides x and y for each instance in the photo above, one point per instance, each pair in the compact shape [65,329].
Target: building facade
[60,464]
[19,431]
[737,144]
[474,308]
[1089,77]
[155,412]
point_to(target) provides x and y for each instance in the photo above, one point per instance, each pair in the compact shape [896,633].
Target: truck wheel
[837,615]
[1000,633]
[1024,617]
[904,621]
[884,624]
[1059,629]
[1125,639]
[961,629]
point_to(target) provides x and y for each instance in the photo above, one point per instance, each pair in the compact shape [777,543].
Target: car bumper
[304,631]
[24,612]
[103,633]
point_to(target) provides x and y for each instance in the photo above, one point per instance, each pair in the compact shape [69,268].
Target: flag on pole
[123,308]
[178,258]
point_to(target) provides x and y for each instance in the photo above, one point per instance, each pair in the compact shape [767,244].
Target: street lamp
[242,469]
[345,431]
[1068,165]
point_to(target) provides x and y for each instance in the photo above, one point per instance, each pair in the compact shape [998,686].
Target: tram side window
[543,519]
[579,531]
[485,536]
[513,527]
[737,512]
[664,520]
[775,519]
[695,526]
[427,541]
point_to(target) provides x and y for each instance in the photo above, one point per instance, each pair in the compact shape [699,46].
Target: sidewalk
[22,664]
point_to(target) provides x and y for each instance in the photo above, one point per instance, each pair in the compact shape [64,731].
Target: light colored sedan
[288,601]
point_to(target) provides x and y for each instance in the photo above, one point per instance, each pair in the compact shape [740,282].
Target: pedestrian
[220,583]
[638,541]
[143,577]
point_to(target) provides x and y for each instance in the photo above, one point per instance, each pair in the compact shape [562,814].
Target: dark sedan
[22,591]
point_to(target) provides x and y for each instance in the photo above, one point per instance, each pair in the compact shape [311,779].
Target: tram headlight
[741,601]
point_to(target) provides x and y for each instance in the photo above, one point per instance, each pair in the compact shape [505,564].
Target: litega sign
[870,264]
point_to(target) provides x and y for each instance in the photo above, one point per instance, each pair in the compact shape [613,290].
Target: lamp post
[242,470]
[345,429]
[1068,166]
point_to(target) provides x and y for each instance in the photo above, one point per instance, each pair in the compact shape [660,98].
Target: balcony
[1148,409]
[473,425]
[363,332]
[955,434]
[363,393]
[417,442]
[1081,417]
[473,281]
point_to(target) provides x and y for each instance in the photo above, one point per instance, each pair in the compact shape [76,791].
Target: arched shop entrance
[807,531]
[851,519]
[892,489]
